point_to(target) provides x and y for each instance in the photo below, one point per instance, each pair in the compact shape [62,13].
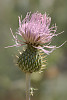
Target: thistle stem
[28,86]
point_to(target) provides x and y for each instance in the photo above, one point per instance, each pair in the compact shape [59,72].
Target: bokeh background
[52,83]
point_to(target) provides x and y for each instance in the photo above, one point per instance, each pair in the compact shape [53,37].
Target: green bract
[30,60]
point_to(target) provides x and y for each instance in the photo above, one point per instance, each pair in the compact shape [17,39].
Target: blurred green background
[52,83]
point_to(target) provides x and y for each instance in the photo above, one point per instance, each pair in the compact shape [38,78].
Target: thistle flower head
[37,33]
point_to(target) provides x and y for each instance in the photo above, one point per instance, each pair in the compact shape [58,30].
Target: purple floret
[36,31]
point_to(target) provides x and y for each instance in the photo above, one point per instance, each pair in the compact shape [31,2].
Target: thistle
[37,33]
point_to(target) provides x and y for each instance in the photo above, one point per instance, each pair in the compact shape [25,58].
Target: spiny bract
[31,60]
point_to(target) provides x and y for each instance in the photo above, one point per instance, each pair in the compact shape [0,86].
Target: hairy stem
[28,86]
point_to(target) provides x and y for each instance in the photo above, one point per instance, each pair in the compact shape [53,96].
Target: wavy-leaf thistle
[37,33]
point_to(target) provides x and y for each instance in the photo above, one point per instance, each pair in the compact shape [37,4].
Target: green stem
[28,86]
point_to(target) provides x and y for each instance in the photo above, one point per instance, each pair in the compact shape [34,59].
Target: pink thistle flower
[36,31]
